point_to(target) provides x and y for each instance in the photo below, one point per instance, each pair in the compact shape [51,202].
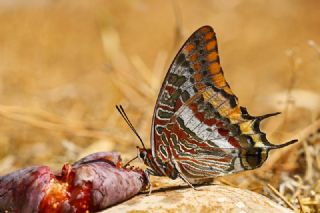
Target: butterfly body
[199,131]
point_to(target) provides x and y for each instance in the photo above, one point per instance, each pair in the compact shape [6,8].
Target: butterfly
[199,131]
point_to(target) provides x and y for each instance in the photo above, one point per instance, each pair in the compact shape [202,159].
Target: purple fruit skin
[24,189]
[110,185]
[111,156]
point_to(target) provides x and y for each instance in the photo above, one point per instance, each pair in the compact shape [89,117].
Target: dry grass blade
[300,205]
[276,192]
[45,120]
[226,182]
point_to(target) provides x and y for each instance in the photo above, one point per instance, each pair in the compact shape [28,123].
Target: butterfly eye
[142,154]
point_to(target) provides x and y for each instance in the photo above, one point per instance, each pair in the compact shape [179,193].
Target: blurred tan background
[64,65]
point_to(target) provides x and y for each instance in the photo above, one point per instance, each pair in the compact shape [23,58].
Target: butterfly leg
[149,172]
[128,163]
[186,180]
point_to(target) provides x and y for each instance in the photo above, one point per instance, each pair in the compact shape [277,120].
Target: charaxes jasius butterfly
[199,131]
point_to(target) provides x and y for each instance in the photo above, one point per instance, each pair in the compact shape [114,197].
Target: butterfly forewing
[195,66]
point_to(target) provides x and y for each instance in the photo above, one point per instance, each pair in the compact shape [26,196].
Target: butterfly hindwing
[198,127]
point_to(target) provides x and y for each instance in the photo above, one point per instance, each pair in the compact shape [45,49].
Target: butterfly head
[145,155]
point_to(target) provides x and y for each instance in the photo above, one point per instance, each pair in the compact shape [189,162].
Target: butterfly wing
[187,75]
[198,126]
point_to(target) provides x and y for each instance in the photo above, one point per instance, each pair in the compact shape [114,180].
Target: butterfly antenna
[125,117]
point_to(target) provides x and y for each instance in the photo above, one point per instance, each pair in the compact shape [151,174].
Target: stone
[210,198]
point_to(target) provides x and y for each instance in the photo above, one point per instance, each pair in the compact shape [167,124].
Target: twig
[45,120]
[309,162]
[300,205]
[314,45]
[178,25]
[276,192]
[290,87]
[224,181]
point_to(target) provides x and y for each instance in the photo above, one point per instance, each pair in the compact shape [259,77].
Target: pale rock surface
[177,197]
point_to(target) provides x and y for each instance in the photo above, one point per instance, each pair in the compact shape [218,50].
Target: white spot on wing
[200,129]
